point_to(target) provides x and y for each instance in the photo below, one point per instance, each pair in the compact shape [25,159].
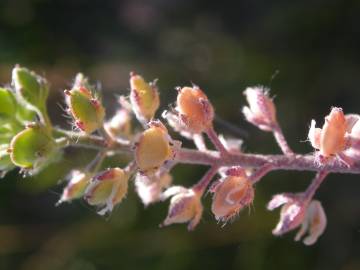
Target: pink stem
[216,141]
[315,184]
[200,186]
[280,139]
[261,172]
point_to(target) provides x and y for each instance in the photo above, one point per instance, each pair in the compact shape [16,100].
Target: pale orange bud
[330,140]
[231,194]
[119,125]
[261,111]
[185,206]
[314,223]
[76,187]
[144,98]
[196,111]
[149,189]
[153,148]
[107,189]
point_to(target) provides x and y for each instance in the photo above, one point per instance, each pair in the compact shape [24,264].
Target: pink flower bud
[185,206]
[76,186]
[149,189]
[107,189]
[195,110]
[231,194]
[314,223]
[153,148]
[261,111]
[144,98]
[330,140]
[119,125]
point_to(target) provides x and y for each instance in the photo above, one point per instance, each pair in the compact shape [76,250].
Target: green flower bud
[86,109]
[32,148]
[31,89]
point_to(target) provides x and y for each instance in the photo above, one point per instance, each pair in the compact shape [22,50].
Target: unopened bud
[231,194]
[330,140]
[185,207]
[107,189]
[30,88]
[76,186]
[150,188]
[32,147]
[85,108]
[153,148]
[144,98]
[119,125]
[261,111]
[195,110]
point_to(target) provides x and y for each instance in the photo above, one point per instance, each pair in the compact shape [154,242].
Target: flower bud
[153,148]
[8,105]
[76,186]
[107,189]
[32,148]
[144,98]
[195,110]
[119,125]
[86,109]
[261,111]
[150,188]
[314,223]
[330,140]
[31,89]
[185,206]
[231,194]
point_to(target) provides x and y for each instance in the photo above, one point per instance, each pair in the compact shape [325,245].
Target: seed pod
[76,186]
[261,111]
[153,148]
[107,189]
[196,111]
[32,148]
[86,109]
[31,89]
[144,98]
[231,194]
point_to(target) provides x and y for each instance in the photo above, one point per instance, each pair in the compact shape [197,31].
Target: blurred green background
[308,52]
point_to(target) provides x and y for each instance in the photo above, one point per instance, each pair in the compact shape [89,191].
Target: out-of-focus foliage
[311,46]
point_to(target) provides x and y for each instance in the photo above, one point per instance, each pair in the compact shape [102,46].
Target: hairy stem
[280,139]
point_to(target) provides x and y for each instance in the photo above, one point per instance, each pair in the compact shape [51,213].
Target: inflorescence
[30,141]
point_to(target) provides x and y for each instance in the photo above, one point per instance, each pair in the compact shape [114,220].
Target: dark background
[224,46]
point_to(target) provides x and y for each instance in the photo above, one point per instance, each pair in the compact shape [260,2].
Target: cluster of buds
[29,141]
